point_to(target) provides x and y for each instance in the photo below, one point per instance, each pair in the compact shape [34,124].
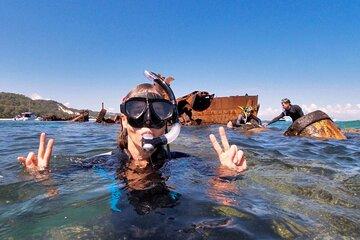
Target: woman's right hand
[229,156]
[40,162]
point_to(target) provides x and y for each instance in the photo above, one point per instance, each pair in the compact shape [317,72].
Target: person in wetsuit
[145,115]
[293,111]
[246,117]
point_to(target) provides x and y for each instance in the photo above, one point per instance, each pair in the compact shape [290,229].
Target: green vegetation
[12,104]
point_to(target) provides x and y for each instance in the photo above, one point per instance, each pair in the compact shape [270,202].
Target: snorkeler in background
[146,112]
[246,117]
[293,111]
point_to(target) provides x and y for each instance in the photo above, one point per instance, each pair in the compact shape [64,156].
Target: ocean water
[294,188]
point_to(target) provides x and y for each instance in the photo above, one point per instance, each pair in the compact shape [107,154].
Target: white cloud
[342,112]
[269,113]
[310,108]
[348,106]
[346,111]
[67,104]
[36,96]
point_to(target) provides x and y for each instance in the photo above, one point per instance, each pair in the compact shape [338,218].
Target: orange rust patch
[225,109]
[326,129]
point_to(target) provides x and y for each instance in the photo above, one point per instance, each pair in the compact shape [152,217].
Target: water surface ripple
[295,188]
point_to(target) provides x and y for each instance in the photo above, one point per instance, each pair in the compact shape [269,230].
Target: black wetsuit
[294,112]
[242,120]
[152,192]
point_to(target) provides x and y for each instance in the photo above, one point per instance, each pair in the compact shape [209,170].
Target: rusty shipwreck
[316,124]
[200,107]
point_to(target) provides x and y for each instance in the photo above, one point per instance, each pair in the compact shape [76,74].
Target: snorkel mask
[152,111]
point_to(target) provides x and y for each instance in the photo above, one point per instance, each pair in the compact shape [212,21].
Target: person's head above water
[285,103]
[146,111]
[136,119]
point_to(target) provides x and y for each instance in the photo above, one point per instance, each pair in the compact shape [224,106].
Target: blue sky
[86,52]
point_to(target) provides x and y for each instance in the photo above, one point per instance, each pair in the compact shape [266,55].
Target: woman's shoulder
[106,159]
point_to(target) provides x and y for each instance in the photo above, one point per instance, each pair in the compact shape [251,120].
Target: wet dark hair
[285,100]
[122,139]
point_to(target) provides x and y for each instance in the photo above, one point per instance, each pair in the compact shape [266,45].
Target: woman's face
[136,134]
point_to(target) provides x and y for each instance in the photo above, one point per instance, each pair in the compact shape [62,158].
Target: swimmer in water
[246,117]
[146,113]
[293,111]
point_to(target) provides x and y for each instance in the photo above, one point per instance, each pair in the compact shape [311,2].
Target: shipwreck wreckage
[316,124]
[82,116]
[200,107]
[203,108]
[101,117]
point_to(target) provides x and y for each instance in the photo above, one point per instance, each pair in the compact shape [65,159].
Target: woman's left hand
[40,162]
[229,156]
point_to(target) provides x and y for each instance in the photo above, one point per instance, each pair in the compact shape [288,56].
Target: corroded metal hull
[192,103]
[197,101]
[102,119]
[316,124]
[83,117]
[225,109]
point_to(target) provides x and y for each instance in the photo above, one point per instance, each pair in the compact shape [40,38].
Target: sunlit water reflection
[294,188]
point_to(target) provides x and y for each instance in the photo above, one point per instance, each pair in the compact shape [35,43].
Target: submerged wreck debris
[53,117]
[82,117]
[196,101]
[101,117]
[316,124]
[115,119]
[223,109]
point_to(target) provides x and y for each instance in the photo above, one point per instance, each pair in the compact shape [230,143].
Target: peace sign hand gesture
[34,163]
[230,157]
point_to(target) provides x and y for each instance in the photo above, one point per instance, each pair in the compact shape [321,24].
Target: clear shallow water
[294,188]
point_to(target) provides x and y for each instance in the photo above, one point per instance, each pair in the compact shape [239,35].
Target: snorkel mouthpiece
[149,143]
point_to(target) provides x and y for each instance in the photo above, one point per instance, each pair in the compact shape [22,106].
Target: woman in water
[146,112]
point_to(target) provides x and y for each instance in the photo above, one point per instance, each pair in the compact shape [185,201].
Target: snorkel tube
[148,142]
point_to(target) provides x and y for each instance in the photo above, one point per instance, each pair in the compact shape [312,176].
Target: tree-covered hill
[12,104]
